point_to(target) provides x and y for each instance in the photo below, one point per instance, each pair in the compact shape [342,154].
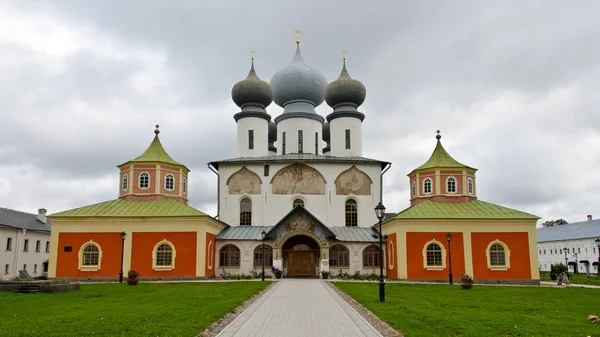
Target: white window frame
[83,267]
[167,179]
[470,187]
[430,186]
[424,252]
[125,182]
[140,181]
[184,185]
[414,188]
[173,255]
[506,256]
[455,185]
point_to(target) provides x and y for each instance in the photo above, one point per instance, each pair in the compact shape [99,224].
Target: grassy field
[148,309]
[444,310]
[574,278]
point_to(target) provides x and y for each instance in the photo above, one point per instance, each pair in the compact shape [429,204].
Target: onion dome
[345,91]
[298,83]
[252,90]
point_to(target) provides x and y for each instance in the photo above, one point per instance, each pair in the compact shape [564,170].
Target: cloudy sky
[513,87]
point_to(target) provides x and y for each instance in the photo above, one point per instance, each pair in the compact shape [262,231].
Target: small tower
[345,95]
[153,175]
[442,179]
[252,95]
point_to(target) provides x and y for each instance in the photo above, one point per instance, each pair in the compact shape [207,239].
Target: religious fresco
[298,179]
[300,224]
[353,181]
[244,181]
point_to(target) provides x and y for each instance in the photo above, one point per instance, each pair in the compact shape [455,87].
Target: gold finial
[157,131]
[344,54]
[438,136]
[252,53]
[298,33]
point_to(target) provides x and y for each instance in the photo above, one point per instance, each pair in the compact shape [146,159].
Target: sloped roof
[355,234]
[474,209]
[22,220]
[575,230]
[243,233]
[300,209]
[440,158]
[299,157]
[167,207]
[156,153]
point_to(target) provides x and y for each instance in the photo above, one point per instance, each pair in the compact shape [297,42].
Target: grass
[148,309]
[444,310]
[574,278]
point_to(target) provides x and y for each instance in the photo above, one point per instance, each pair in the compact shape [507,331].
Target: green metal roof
[441,159]
[156,153]
[167,207]
[474,209]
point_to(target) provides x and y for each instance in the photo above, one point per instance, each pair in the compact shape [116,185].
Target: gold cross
[298,33]
[344,53]
[252,53]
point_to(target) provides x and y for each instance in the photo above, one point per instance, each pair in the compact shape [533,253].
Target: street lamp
[566,261]
[449,238]
[123,237]
[576,265]
[264,234]
[597,241]
[379,212]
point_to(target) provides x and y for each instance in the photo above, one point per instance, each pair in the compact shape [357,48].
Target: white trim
[83,267]
[173,254]
[125,182]
[424,253]
[210,255]
[357,213]
[506,256]
[414,188]
[455,185]
[430,185]
[391,254]
[239,214]
[298,197]
[172,176]
[470,186]
[140,181]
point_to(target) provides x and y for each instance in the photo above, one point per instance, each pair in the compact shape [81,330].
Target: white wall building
[572,243]
[25,243]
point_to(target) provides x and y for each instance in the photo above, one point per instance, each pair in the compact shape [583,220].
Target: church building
[301,185]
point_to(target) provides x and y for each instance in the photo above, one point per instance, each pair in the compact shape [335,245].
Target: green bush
[556,270]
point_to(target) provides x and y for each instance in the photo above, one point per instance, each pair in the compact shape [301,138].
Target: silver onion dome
[345,91]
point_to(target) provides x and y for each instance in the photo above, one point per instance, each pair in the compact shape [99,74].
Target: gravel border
[224,321]
[382,327]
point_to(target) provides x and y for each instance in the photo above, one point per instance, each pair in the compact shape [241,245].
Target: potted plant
[278,272]
[466,281]
[133,277]
[325,274]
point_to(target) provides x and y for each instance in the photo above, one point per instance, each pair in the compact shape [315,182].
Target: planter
[325,276]
[133,281]
[466,285]
[278,276]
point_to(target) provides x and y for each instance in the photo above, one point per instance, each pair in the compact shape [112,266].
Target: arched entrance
[301,256]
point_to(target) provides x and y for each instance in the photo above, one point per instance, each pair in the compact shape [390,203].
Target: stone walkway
[299,307]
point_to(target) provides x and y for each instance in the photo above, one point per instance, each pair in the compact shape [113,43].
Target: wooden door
[301,263]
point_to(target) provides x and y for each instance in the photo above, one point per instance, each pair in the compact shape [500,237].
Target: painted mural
[244,181]
[353,181]
[298,179]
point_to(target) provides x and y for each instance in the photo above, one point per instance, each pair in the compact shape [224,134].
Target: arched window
[498,256]
[371,257]
[427,186]
[414,189]
[258,256]
[229,256]
[169,182]
[351,213]
[470,186]
[184,185]
[339,256]
[163,256]
[297,202]
[144,180]
[246,212]
[91,255]
[434,255]
[451,185]
[125,184]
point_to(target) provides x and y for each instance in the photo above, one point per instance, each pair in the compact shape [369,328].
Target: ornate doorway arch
[301,256]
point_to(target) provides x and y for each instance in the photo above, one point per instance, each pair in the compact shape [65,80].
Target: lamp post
[379,212]
[449,238]
[597,241]
[264,234]
[576,264]
[566,261]
[123,237]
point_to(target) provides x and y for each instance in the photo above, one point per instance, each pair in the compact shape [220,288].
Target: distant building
[25,240]
[572,244]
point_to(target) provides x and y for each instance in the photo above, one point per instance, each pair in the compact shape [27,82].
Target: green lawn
[574,278]
[444,310]
[148,309]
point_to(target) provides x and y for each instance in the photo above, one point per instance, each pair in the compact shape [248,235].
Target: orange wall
[392,273]
[414,252]
[210,255]
[185,247]
[67,264]
[518,244]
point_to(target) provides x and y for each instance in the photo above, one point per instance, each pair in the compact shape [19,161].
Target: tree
[554,222]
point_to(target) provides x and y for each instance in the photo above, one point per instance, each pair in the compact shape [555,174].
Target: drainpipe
[18,252]
[386,167]
[218,190]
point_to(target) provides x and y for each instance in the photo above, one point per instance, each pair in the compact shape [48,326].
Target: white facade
[553,252]
[311,132]
[23,250]
[260,129]
[339,129]
[269,208]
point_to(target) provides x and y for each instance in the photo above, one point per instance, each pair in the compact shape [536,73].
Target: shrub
[556,270]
